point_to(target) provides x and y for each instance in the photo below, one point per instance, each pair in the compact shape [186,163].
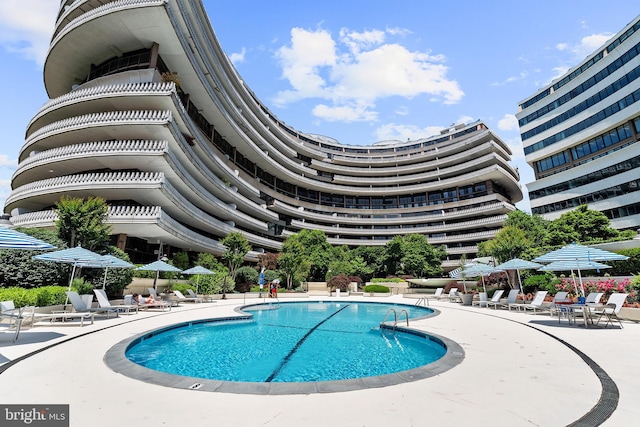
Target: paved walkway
[519,370]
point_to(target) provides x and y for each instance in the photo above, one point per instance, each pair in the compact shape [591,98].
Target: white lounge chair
[537,304]
[80,307]
[206,298]
[103,302]
[12,316]
[26,313]
[454,295]
[611,309]
[425,298]
[482,301]
[181,298]
[495,299]
[512,297]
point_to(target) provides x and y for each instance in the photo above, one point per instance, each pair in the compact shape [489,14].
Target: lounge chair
[181,298]
[454,295]
[80,307]
[512,297]
[25,313]
[103,302]
[13,317]
[537,304]
[495,299]
[204,298]
[482,301]
[425,298]
[128,300]
[559,296]
[611,309]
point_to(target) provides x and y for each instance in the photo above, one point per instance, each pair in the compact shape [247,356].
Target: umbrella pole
[104,282]
[581,285]
[483,285]
[73,271]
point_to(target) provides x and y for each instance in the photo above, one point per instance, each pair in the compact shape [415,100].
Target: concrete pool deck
[519,369]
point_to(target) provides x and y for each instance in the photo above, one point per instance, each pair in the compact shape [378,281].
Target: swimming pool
[298,343]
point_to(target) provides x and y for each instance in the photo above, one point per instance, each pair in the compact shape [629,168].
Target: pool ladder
[395,317]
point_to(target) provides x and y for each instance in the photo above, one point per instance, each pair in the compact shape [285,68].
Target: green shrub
[40,297]
[182,287]
[387,279]
[381,289]
[81,287]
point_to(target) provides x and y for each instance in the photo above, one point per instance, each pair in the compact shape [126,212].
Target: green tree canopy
[82,222]
[293,261]
[580,225]
[237,247]
[510,242]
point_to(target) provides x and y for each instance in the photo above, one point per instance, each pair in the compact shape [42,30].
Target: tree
[419,258]
[373,257]
[293,261]
[580,225]
[319,252]
[237,247]
[510,242]
[81,222]
[535,227]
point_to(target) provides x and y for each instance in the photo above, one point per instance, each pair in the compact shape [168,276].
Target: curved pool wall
[117,360]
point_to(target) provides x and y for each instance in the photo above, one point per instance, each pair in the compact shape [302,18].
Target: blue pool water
[291,342]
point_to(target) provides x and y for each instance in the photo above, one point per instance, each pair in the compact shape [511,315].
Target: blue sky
[357,71]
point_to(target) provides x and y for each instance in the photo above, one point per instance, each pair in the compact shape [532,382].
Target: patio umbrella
[519,264]
[482,270]
[575,265]
[463,272]
[575,253]
[12,239]
[75,256]
[198,270]
[159,266]
[106,262]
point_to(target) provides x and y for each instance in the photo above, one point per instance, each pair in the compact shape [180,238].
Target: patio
[518,371]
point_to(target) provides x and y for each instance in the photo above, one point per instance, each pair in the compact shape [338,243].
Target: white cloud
[238,57]
[26,27]
[585,47]
[5,161]
[523,75]
[399,132]
[515,144]
[508,123]
[356,70]
[344,113]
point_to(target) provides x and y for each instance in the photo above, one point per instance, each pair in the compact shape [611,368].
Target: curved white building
[581,133]
[147,111]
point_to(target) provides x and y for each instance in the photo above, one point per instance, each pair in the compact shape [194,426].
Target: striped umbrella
[12,239]
[518,264]
[575,253]
[159,266]
[107,261]
[198,270]
[77,256]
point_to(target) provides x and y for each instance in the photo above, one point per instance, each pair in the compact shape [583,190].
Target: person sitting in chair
[139,299]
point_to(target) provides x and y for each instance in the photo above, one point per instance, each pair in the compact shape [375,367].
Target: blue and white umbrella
[76,256]
[198,270]
[473,270]
[12,239]
[519,264]
[107,261]
[575,254]
[159,266]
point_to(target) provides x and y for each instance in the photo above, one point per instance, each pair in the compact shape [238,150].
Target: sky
[359,71]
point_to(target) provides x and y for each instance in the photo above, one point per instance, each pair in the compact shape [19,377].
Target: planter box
[377,294]
[466,299]
[629,313]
